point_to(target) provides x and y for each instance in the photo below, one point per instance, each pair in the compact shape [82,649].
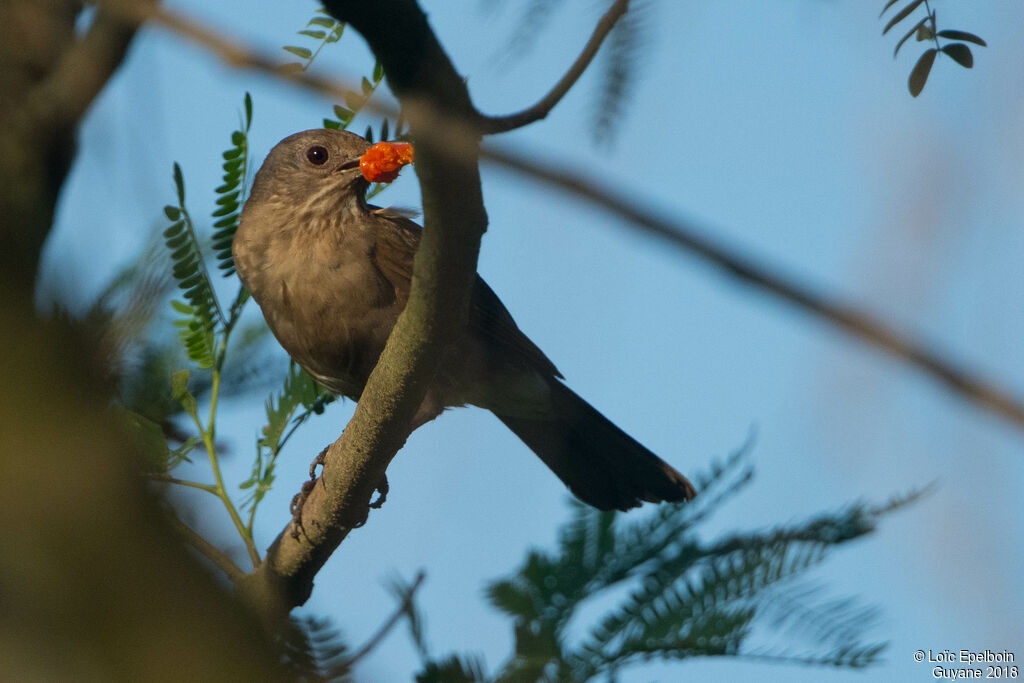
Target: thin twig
[230,52]
[165,479]
[501,124]
[852,320]
[385,628]
[206,549]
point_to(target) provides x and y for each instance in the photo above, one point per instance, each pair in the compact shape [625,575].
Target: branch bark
[417,69]
[858,323]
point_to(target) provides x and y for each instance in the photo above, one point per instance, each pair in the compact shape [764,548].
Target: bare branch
[385,628]
[852,320]
[206,549]
[45,88]
[501,124]
[236,54]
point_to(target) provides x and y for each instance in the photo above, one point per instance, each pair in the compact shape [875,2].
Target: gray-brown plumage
[332,273]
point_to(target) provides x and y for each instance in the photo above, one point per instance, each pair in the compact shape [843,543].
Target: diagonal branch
[404,608]
[850,319]
[64,95]
[205,548]
[501,124]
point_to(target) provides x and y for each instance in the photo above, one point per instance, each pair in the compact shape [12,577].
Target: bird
[331,274]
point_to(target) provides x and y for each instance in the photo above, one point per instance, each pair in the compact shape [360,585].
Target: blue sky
[783,128]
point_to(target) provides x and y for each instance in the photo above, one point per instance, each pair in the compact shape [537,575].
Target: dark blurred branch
[501,124]
[65,94]
[45,89]
[852,320]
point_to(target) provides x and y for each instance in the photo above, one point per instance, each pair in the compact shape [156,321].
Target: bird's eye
[317,155]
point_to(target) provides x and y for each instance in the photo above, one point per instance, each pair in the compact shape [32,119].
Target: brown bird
[332,273]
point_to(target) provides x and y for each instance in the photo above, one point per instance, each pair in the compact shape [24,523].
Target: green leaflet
[321,28]
[231,192]
[926,30]
[300,391]
[201,315]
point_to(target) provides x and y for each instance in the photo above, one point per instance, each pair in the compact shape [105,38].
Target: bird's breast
[329,318]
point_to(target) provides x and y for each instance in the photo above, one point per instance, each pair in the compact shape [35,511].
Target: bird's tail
[601,464]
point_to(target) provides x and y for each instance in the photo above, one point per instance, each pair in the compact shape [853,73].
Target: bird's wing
[489,320]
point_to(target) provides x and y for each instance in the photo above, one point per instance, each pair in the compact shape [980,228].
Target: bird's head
[318,166]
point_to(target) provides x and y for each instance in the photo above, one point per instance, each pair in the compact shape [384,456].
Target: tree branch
[500,124]
[44,92]
[867,328]
[403,608]
[417,69]
[64,95]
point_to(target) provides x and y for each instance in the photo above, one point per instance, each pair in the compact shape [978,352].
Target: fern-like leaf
[201,315]
[323,29]
[453,669]
[355,101]
[313,650]
[231,192]
[686,597]
[299,391]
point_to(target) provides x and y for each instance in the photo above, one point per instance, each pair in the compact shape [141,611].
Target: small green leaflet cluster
[322,28]
[329,31]
[299,391]
[355,101]
[201,314]
[229,194]
[924,30]
[326,30]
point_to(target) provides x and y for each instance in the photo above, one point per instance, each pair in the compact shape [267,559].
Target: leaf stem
[935,27]
[163,478]
[202,262]
[222,493]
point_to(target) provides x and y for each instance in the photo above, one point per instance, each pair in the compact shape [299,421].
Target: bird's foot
[300,498]
[382,489]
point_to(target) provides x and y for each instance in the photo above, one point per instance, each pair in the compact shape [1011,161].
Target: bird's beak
[349,165]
